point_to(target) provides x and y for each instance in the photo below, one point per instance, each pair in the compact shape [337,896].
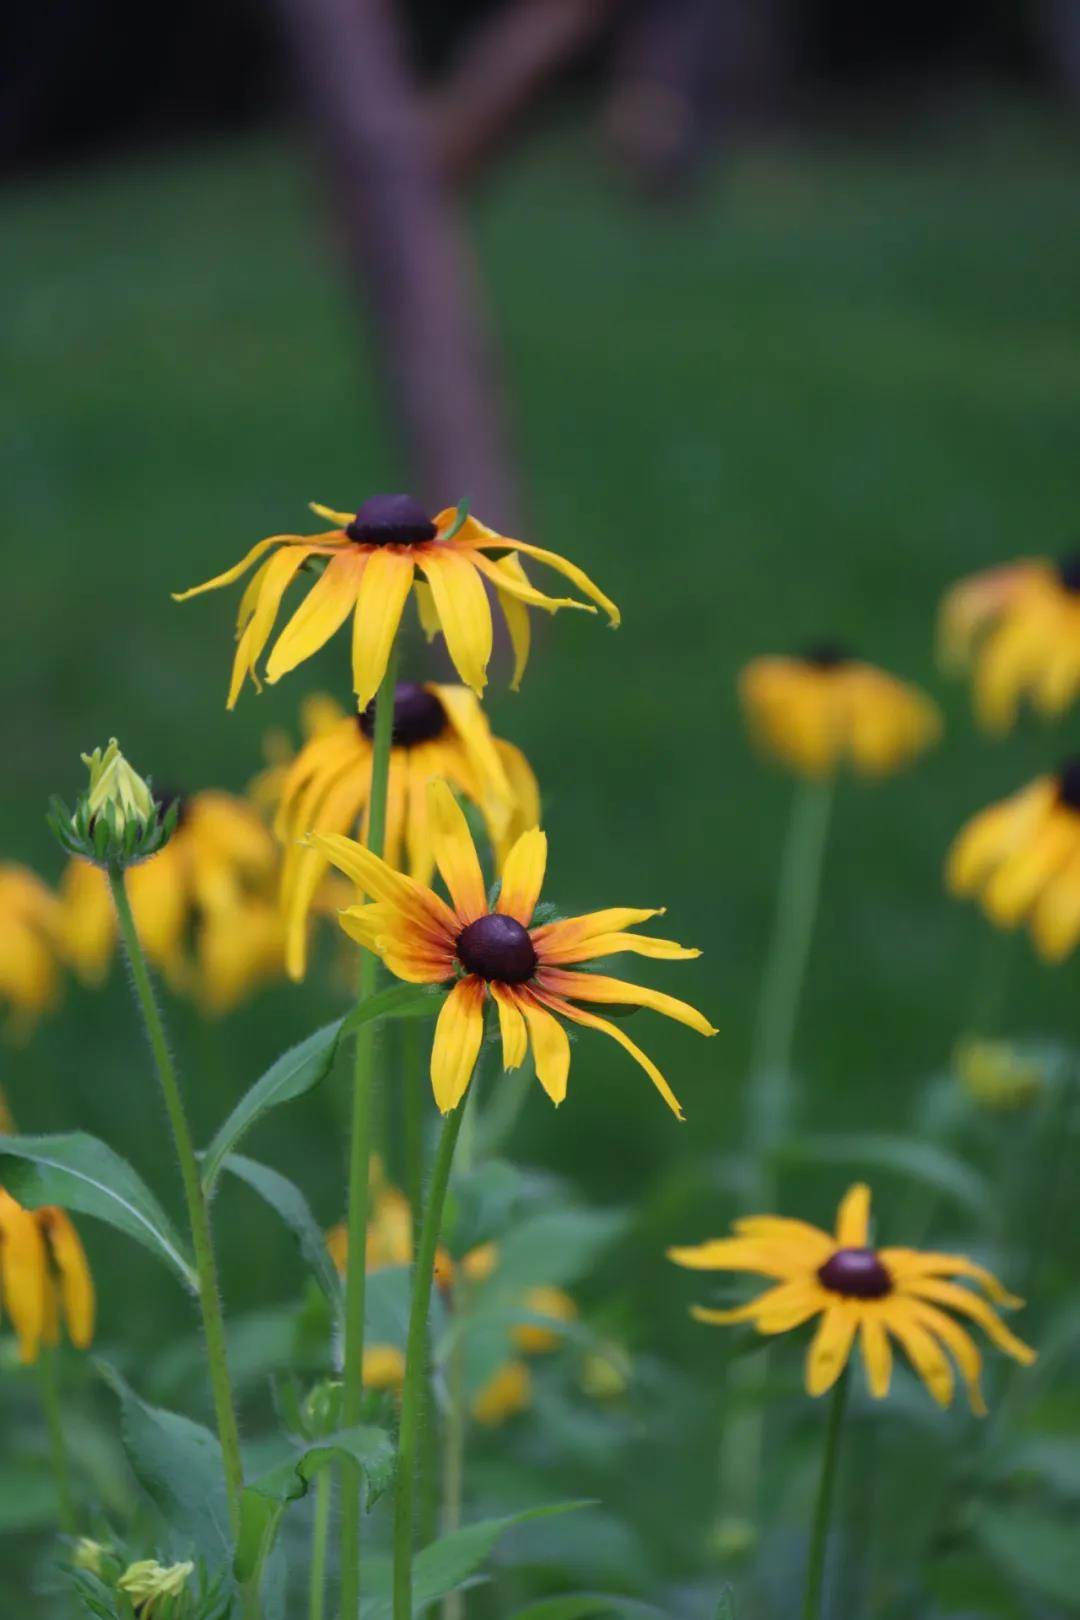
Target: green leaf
[484,1204]
[1053,1459]
[82,1174]
[178,1463]
[584,1605]
[307,1065]
[908,1157]
[285,1197]
[1035,1549]
[263,1503]
[449,1562]
[555,1248]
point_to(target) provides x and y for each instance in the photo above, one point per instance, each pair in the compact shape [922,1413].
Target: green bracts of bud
[116,821]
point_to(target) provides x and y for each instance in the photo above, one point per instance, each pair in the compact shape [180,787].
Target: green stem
[453,1483]
[198,1212]
[320,1536]
[785,972]
[54,1423]
[360,1145]
[415,1089]
[412,1395]
[815,1569]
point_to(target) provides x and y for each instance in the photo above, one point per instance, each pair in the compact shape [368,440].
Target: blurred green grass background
[796,410]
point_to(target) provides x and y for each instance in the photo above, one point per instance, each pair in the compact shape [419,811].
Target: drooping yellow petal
[770,1257]
[1055,918]
[523,876]
[853,1218]
[455,854]
[458,1034]
[256,551]
[876,1354]
[831,1346]
[511,581]
[963,1348]
[464,611]
[25,1275]
[923,1351]
[518,624]
[578,1015]
[551,1047]
[380,602]
[665,950]
[969,1304]
[279,574]
[515,1039]
[76,1284]
[371,875]
[476,534]
[993,834]
[778,1310]
[322,612]
[426,610]
[905,1264]
[596,987]
[575,930]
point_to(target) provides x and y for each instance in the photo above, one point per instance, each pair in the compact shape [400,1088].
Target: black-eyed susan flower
[46,1278]
[493,952]
[859,1291]
[372,561]
[205,905]
[1020,859]
[507,1392]
[439,731]
[30,935]
[827,708]
[1017,628]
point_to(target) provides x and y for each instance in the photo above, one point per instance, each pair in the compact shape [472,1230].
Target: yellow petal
[464,611]
[923,1351]
[667,950]
[25,1275]
[523,876]
[476,534]
[828,1354]
[995,833]
[1055,919]
[511,582]
[76,1284]
[769,1256]
[904,1264]
[518,624]
[960,1344]
[322,612]
[596,987]
[515,1040]
[380,602]
[969,1304]
[778,1310]
[458,1034]
[455,854]
[245,563]
[877,1354]
[853,1218]
[578,1015]
[278,576]
[1012,890]
[420,906]
[551,1047]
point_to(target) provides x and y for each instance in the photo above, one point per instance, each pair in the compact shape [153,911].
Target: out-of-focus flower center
[386,520]
[1069,783]
[165,797]
[827,655]
[497,947]
[858,1273]
[418,716]
[1069,571]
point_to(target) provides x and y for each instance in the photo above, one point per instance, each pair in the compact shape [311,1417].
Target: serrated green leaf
[286,1199]
[265,1500]
[448,1563]
[1033,1548]
[908,1157]
[82,1174]
[178,1464]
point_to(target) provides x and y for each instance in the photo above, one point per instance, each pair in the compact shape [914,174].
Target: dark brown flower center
[1068,569]
[418,716]
[1069,783]
[827,655]
[385,520]
[497,947]
[857,1273]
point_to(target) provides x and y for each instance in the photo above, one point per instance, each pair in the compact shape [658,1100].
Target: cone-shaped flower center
[858,1273]
[385,520]
[1069,783]
[418,716]
[826,655]
[1069,571]
[497,947]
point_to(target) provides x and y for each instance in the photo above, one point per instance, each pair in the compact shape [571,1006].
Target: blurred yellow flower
[996,1075]
[30,932]
[384,1366]
[319,714]
[826,708]
[389,1231]
[147,1583]
[1020,859]
[371,561]
[525,971]
[507,1392]
[1017,628]
[439,731]
[533,1339]
[205,905]
[859,1290]
[45,1277]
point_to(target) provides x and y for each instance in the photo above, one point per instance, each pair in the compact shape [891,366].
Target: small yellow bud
[533,1338]
[147,1582]
[88,1555]
[113,782]
[507,1392]
[605,1373]
[996,1075]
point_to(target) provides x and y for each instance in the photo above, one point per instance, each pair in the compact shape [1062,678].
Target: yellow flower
[384,1367]
[371,562]
[439,731]
[45,1276]
[526,971]
[996,1075]
[532,1339]
[1018,628]
[1021,860]
[148,1582]
[204,905]
[816,712]
[857,1289]
[507,1392]
[30,924]
[319,714]
[389,1231]
[113,784]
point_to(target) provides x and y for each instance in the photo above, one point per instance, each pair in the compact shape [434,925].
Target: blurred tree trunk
[408,256]
[503,68]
